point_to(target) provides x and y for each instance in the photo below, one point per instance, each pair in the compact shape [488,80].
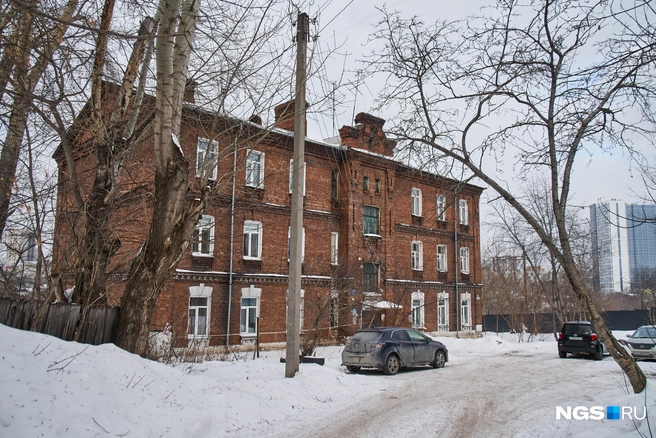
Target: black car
[391,348]
[579,337]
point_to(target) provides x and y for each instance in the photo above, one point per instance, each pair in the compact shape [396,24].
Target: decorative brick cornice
[411,284]
[421,231]
[283,210]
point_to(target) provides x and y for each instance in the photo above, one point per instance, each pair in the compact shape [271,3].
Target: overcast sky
[349,23]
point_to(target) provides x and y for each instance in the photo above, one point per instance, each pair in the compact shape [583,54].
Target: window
[291,176]
[289,238]
[418,309]
[464,214]
[199,311]
[441,258]
[333,185]
[334,309]
[206,158]
[203,237]
[370,220]
[370,278]
[377,185]
[464,260]
[252,240]
[334,241]
[416,202]
[417,254]
[365,183]
[250,310]
[30,255]
[443,311]
[255,169]
[441,208]
[465,310]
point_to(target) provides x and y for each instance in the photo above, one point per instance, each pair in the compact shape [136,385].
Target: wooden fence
[61,320]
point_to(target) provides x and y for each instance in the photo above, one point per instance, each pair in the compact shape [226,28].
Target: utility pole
[292,357]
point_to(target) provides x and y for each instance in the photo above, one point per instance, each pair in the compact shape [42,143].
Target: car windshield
[645,332]
[579,329]
[366,336]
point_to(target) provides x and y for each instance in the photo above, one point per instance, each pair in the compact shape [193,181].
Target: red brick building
[384,243]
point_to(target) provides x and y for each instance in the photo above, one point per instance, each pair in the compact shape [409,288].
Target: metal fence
[61,320]
[544,322]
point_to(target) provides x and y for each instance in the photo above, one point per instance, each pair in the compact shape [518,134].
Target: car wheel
[599,354]
[440,359]
[392,364]
[562,354]
[352,368]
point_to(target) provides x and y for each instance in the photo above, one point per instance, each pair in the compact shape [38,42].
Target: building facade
[624,244]
[383,243]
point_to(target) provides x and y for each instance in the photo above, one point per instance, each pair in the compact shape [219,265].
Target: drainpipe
[457,258]
[232,234]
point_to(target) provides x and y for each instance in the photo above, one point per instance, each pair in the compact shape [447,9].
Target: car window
[366,336]
[400,335]
[645,332]
[416,336]
[580,329]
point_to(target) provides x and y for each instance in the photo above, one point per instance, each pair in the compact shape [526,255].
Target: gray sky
[349,23]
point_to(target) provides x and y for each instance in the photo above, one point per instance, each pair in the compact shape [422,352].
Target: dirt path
[473,396]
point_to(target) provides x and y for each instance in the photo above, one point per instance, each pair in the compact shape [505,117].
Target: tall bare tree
[30,37]
[541,83]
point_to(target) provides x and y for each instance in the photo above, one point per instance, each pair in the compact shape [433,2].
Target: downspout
[457,258]
[232,234]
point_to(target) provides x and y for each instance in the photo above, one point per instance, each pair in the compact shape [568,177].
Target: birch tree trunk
[174,214]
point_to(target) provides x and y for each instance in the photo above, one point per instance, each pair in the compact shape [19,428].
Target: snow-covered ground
[493,387]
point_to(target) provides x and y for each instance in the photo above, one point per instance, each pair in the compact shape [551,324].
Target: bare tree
[543,83]
[30,37]
[522,270]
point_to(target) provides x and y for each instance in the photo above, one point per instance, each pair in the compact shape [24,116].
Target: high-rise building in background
[623,244]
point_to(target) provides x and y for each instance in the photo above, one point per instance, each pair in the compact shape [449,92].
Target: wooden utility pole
[292,357]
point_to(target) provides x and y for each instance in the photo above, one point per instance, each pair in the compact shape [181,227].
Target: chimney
[367,135]
[284,114]
[190,90]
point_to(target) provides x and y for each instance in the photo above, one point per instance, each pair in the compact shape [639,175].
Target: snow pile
[492,386]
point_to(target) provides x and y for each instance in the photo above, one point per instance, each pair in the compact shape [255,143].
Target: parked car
[391,348]
[579,337]
[643,342]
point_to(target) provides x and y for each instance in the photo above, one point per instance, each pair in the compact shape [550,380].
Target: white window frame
[464,260]
[418,321]
[464,212]
[417,255]
[442,265]
[198,293]
[202,161]
[334,247]
[334,309]
[205,223]
[248,311]
[416,201]
[465,311]
[291,176]
[443,311]
[252,228]
[440,202]
[289,239]
[254,176]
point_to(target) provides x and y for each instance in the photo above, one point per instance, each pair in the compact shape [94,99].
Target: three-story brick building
[383,243]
